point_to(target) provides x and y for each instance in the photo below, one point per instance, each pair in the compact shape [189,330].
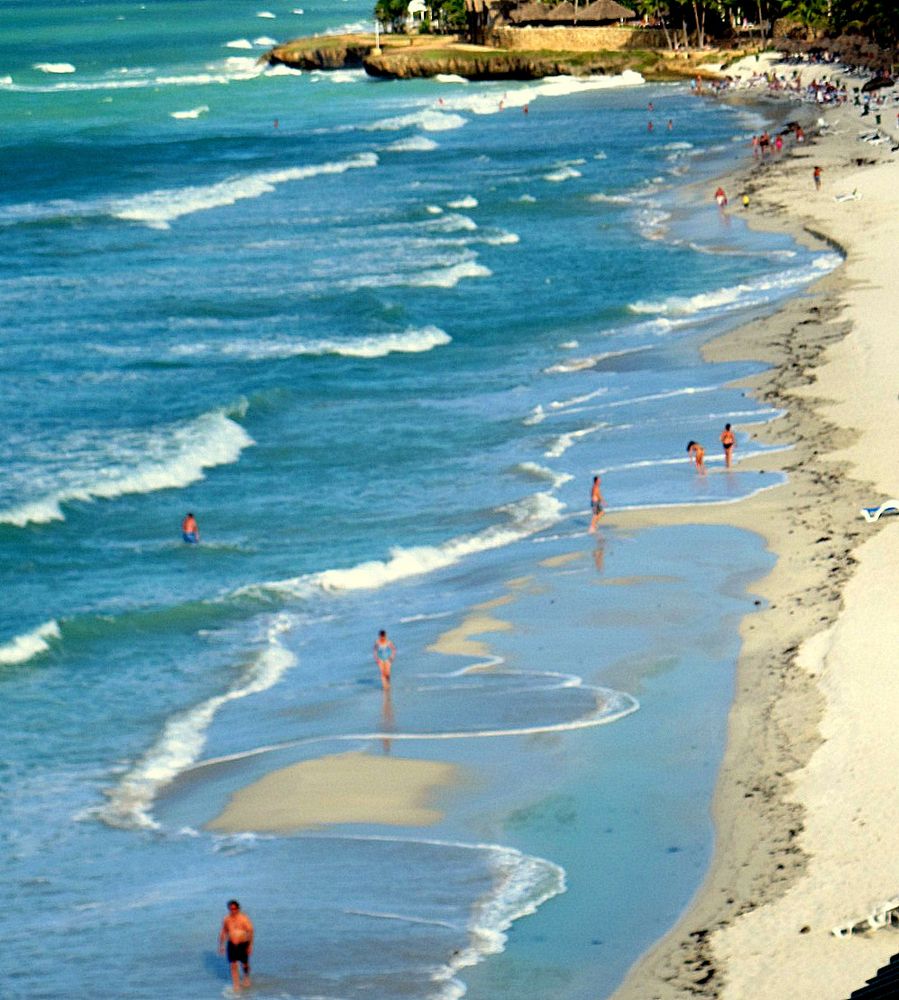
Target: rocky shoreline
[404,57]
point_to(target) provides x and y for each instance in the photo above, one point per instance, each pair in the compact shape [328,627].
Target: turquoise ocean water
[378,337]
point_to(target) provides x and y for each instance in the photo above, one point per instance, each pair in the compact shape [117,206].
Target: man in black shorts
[237,931]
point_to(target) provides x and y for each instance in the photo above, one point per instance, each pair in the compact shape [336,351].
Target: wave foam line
[524,883]
[184,735]
[438,277]
[611,706]
[428,120]
[741,295]
[580,364]
[25,647]
[165,458]
[528,516]
[157,209]
[653,462]
[411,341]
[565,441]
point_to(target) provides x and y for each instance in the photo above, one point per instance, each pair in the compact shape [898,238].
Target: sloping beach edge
[803,809]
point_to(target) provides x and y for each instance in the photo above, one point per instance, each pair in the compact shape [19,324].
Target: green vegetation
[443,15]
[875,19]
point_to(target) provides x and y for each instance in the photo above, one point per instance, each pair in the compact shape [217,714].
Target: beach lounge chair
[872,514]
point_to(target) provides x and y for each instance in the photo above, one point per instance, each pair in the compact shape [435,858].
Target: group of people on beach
[697,456]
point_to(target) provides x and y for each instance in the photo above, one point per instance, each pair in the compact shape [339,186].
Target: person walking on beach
[727,442]
[385,654]
[237,934]
[721,197]
[816,174]
[697,453]
[595,504]
[190,531]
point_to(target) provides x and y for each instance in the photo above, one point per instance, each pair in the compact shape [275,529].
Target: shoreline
[789,792]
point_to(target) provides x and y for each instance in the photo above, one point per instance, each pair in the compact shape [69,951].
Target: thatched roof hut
[604,12]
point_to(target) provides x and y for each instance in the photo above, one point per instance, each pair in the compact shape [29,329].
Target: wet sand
[341,788]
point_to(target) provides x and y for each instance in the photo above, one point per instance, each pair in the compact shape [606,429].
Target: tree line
[877,20]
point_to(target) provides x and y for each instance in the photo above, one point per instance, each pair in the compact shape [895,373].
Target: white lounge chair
[872,514]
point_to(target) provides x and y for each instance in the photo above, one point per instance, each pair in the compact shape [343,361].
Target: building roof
[605,10]
[563,11]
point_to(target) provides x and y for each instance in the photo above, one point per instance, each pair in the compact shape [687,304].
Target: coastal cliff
[405,57]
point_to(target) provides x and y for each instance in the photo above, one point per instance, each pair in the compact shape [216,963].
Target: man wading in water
[237,930]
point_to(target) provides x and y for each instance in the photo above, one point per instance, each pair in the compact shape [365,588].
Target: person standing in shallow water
[237,934]
[595,504]
[190,530]
[727,442]
[385,654]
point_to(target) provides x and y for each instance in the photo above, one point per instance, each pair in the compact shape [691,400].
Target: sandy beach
[805,842]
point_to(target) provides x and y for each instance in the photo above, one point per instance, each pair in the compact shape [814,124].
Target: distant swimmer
[385,654]
[595,504]
[237,933]
[524,110]
[190,532]
[745,201]
[727,442]
[697,453]
[670,124]
[649,126]
[721,197]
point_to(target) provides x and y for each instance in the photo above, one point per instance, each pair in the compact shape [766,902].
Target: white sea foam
[689,390]
[112,464]
[569,345]
[523,883]
[192,113]
[612,199]
[433,209]
[563,442]
[577,400]
[5,81]
[265,41]
[532,514]
[184,735]
[427,119]
[527,198]
[469,201]
[534,471]
[562,174]
[537,416]
[439,277]
[452,223]
[450,78]
[741,295]
[60,67]
[581,364]
[414,144]
[23,647]
[265,13]
[239,43]
[157,209]
[410,341]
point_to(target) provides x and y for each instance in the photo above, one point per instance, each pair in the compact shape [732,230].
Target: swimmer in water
[727,442]
[385,654]
[190,532]
[595,504]
[696,451]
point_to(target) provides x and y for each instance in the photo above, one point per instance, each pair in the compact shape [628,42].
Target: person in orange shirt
[696,451]
[727,442]
[190,531]
[595,504]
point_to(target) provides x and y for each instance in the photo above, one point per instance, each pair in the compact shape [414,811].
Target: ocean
[378,336]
